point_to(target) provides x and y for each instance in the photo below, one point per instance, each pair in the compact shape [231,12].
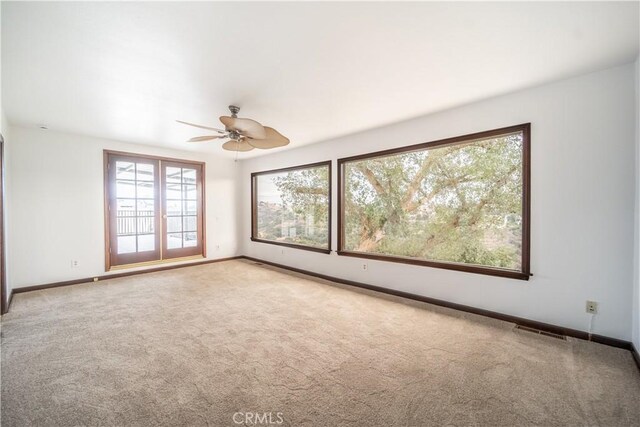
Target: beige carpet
[194,346]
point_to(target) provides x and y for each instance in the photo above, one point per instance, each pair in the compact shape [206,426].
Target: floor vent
[539,332]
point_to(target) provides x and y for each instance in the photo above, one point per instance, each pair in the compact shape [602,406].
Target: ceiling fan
[243,134]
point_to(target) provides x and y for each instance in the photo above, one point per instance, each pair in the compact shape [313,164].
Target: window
[154,209]
[292,207]
[460,204]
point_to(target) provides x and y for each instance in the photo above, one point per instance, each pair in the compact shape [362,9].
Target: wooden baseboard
[116,275]
[554,329]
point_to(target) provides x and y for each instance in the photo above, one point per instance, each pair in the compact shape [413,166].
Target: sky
[269,192]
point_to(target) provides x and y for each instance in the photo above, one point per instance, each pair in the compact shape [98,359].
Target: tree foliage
[301,216]
[459,203]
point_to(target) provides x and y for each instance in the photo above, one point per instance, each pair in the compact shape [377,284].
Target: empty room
[320,213]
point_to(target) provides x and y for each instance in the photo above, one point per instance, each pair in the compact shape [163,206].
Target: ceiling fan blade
[239,145]
[205,138]
[274,139]
[246,127]
[202,127]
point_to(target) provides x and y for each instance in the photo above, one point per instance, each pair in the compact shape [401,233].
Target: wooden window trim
[201,188]
[254,207]
[525,271]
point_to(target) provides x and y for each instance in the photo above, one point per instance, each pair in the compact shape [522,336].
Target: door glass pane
[126,244]
[173,192]
[181,207]
[125,189]
[145,190]
[189,192]
[125,170]
[190,240]
[146,242]
[126,207]
[188,176]
[174,207]
[144,172]
[190,223]
[174,240]
[126,226]
[174,224]
[190,208]
[173,175]
[135,207]
[146,224]
[146,207]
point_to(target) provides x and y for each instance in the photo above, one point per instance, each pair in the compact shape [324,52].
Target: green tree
[458,203]
[301,216]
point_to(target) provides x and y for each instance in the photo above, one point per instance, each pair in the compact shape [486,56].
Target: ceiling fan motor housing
[234,135]
[234,111]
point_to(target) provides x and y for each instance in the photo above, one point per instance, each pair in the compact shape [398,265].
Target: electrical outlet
[592,307]
[365,266]
[74,263]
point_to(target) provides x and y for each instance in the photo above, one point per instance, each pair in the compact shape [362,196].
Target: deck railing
[130,222]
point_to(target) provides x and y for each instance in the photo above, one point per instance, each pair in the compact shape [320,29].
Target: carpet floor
[235,343]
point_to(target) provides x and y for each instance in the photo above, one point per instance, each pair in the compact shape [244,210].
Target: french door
[154,209]
[182,209]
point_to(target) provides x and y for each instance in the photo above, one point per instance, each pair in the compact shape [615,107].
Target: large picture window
[460,203]
[154,209]
[292,207]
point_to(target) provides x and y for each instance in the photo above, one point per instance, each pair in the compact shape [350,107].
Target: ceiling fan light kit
[243,134]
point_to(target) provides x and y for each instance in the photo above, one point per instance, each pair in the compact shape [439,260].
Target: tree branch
[371,177]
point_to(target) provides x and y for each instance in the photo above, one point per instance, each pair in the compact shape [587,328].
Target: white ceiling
[313,71]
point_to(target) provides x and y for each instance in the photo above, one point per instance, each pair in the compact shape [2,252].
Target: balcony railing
[130,222]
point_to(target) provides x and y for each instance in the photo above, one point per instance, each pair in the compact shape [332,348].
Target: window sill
[511,274]
[293,245]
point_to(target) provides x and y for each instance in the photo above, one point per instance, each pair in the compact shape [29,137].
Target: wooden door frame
[107,156]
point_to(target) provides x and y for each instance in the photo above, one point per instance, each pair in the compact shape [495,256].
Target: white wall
[583,160]
[56,204]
